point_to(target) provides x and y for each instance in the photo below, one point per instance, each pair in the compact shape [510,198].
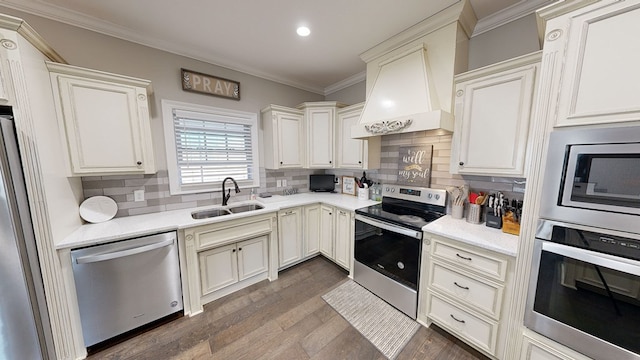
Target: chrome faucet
[225,197]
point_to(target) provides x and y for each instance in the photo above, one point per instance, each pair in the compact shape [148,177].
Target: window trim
[168,106]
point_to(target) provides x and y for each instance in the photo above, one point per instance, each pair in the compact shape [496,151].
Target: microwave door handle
[624,265]
[396,229]
[123,253]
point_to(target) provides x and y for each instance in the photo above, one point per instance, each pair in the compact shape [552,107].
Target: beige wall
[516,38]
[350,95]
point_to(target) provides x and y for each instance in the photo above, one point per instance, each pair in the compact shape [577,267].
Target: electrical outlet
[284,182]
[138,195]
[278,183]
[337,181]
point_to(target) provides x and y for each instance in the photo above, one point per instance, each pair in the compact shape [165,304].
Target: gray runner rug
[384,326]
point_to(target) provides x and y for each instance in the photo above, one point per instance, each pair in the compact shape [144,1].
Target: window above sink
[206,144]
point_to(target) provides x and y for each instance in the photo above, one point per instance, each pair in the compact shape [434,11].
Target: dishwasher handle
[122,253]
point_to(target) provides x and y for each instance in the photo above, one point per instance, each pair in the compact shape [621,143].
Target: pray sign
[210,85]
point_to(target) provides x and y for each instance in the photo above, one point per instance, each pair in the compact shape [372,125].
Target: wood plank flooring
[284,319]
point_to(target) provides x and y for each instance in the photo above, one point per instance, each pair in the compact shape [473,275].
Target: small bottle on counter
[253,193]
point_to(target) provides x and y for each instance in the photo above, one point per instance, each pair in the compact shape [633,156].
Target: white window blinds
[210,146]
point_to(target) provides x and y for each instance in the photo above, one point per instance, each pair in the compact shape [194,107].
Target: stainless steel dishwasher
[126,284]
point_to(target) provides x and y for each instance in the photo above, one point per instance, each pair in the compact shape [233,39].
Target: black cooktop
[405,213]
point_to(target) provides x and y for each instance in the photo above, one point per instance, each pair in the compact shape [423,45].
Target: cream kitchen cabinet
[284,140]
[319,121]
[344,238]
[336,235]
[354,153]
[600,68]
[312,229]
[492,109]
[224,257]
[466,289]
[290,241]
[104,121]
[227,265]
[538,347]
[327,226]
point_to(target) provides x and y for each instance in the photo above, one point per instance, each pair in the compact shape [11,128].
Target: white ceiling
[258,37]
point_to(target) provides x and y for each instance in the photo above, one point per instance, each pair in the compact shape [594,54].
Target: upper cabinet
[354,153]
[319,120]
[492,110]
[104,121]
[284,142]
[316,135]
[600,71]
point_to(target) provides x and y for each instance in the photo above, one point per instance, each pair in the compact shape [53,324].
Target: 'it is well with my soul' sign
[414,165]
[210,85]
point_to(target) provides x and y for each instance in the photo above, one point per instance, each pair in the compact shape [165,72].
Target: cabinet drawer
[481,332]
[482,296]
[471,259]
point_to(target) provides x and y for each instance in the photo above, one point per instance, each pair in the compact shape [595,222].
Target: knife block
[493,220]
[509,225]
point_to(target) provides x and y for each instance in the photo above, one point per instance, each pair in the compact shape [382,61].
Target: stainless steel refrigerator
[25,331]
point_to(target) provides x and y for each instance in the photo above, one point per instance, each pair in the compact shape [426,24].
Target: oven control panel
[414,193]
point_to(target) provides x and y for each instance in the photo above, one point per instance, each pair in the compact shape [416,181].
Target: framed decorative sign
[414,165]
[349,185]
[210,85]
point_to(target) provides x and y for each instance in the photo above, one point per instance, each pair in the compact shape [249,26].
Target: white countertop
[479,235]
[140,225]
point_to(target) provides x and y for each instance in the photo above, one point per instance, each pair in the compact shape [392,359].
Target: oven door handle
[393,228]
[605,260]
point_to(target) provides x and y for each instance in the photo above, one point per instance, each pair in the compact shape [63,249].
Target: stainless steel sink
[205,214]
[244,208]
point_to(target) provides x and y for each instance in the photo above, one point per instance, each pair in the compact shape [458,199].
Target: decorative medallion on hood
[385,127]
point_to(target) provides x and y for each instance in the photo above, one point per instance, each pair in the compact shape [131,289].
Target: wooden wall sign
[414,165]
[210,85]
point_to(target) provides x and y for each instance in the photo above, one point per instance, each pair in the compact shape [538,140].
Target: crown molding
[441,19]
[94,24]
[513,12]
[351,80]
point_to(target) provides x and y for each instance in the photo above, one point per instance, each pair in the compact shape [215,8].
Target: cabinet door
[320,124]
[290,236]
[291,145]
[492,122]
[252,257]
[344,233]
[218,268]
[327,230]
[601,64]
[350,152]
[106,126]
[311,230]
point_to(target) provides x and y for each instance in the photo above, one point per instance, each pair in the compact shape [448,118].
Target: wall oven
[584,291]
[388,243]
[584,288]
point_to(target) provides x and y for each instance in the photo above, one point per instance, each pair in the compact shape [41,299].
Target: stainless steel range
[388,243]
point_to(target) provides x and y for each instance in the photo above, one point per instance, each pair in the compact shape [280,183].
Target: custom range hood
[410,77]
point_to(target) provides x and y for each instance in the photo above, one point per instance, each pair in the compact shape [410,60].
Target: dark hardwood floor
[284,319]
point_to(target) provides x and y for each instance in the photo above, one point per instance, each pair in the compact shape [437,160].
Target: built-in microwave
[593,178]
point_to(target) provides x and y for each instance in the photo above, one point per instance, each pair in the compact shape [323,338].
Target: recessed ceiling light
[303,31]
